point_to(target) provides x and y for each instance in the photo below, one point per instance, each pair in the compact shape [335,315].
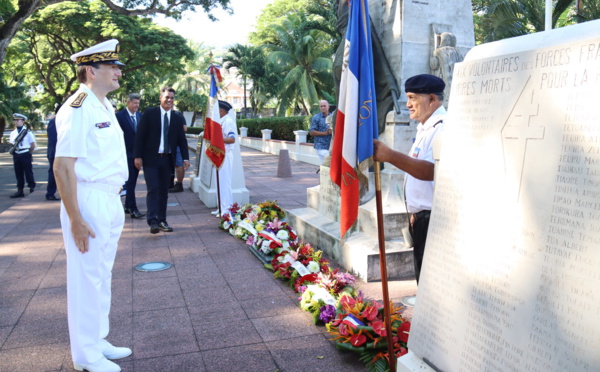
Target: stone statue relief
[443,60]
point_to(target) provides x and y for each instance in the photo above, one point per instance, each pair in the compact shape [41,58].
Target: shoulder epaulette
[77,102]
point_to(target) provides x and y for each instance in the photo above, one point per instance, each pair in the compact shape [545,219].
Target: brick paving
[216,309]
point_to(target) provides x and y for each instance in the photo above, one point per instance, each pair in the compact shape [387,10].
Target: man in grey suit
[158,136]
[129,118]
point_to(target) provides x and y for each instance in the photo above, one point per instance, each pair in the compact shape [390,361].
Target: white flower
[320,293]
[283,235]
[313,267]
[238,231]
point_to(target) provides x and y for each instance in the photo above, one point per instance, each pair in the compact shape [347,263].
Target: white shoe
[103,365]
[215,212]
[113,352]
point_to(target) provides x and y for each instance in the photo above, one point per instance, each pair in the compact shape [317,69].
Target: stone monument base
[359,253]
[208,195]
[412,363]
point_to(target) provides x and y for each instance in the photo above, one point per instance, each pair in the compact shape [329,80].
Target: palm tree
[510,18]
[304,59]
[246,59]
[195,80]
[586,10]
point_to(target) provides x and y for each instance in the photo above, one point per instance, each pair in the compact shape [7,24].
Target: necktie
[134,123]
[166,134]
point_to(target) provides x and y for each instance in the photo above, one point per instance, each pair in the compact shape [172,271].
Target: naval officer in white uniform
[90,167]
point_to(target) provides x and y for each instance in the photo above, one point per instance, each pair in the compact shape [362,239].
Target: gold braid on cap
[98,57]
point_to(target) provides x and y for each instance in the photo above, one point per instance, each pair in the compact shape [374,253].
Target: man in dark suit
[158,136]
[129,119]
[52,137]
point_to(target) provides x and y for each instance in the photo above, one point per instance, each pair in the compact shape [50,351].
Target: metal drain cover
[153,266]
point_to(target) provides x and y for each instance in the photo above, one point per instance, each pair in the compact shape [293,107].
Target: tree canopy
[12,18]
[40,53]
[274,15]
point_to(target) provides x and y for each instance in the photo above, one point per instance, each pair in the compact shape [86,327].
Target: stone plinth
[359,253]
[205,185]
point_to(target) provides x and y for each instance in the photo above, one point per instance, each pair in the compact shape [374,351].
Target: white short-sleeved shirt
[419,194]
[25,142]
[92,134]
[229,131]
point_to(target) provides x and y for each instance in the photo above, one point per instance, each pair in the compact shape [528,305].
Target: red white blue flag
[356,122]
[212,126]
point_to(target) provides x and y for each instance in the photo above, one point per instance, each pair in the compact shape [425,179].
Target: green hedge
[194,130]
[283,127]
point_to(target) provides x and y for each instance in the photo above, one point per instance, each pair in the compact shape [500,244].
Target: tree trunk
[2,127]
[11,26]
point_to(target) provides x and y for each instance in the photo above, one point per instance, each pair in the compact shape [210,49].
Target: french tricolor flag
[356,122]
[212,126]
[352,321]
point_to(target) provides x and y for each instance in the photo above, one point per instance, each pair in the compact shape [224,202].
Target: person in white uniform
[23,142]
[90,167]
[229,130]
[425,94]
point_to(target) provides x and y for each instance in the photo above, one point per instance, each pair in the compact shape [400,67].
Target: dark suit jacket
[147,138]
[52,138]
[127,127]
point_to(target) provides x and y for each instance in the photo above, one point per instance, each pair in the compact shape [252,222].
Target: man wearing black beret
[425,95]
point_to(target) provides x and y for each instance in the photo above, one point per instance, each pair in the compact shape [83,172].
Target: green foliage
[588,11]
[190,101]
[46,41]
[250,64]
[273,15]
[380,365]
[195,79]
[303,58]
[11,17]
[500,19]
[194,130]
[283,127]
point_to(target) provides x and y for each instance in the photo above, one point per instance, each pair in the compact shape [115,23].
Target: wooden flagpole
[383,267]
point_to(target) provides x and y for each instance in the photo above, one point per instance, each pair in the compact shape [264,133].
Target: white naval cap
[107,52]
[17,116]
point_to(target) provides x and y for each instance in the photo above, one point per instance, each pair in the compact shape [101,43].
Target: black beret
[424,83]
[225,105]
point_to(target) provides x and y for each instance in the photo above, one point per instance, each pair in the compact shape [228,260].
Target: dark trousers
[157,182]
[418,231]
[130,202]
[23,170]
[51,188]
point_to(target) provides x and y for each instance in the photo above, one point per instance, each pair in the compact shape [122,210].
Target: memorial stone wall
[511,278]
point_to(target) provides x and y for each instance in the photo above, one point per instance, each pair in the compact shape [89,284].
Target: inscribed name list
[511,278]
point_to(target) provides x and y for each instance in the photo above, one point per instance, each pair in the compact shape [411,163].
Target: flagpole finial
[210,56]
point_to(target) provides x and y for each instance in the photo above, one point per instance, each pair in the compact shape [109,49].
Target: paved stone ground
[216,309]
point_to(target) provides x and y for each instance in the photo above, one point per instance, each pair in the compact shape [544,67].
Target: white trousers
[225,181]
[322,154]
[89,274]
